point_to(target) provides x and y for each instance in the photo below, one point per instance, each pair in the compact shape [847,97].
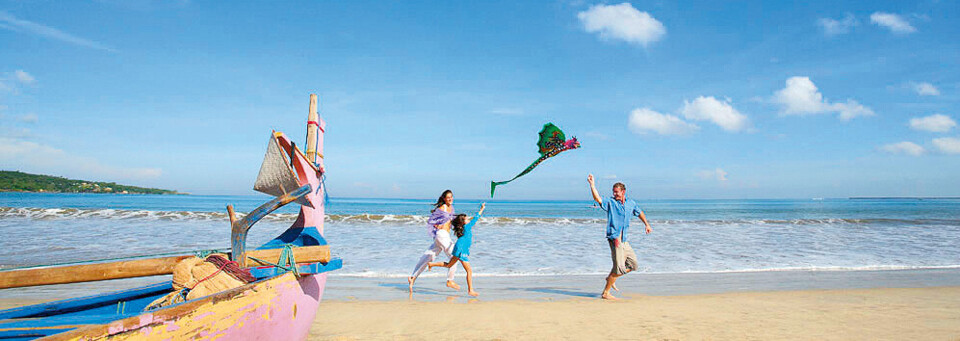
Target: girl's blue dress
[462,248]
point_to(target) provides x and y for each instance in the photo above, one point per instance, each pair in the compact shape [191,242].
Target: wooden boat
[279,305]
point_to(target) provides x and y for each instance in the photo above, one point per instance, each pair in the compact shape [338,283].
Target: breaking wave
[420,220]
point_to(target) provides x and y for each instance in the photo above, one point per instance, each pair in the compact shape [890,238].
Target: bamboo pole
[138,268]
[313,125]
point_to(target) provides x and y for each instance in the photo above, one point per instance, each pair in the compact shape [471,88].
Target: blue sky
[698,99]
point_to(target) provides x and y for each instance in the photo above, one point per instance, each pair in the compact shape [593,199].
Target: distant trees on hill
[15,181]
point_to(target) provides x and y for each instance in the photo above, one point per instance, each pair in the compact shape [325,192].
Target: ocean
[383,238]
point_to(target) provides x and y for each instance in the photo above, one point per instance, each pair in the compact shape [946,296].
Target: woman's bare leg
[466,266]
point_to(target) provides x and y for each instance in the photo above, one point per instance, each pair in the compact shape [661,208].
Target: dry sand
[858,314]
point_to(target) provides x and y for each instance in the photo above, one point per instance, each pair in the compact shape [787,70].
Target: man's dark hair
[621,185]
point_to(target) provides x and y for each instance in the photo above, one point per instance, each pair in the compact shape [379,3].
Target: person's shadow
[557,291]
[416,290]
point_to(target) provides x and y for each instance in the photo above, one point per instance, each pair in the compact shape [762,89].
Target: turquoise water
[384,237]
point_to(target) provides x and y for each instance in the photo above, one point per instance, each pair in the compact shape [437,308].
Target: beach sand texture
[857,314]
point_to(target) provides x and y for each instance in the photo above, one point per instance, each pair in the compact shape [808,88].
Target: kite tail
[494,184]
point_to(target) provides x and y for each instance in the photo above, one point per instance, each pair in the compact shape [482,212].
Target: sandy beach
[792,305]
[852,314]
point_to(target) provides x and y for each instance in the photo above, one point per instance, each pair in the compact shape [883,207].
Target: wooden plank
[302,254]
[88,272]
[136,268]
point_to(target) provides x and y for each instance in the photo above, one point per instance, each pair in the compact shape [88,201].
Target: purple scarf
[438,217]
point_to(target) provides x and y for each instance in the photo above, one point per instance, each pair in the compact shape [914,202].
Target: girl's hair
[457,224]
[440,201]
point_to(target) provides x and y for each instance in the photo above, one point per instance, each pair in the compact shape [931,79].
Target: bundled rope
[232,268]
[196,277]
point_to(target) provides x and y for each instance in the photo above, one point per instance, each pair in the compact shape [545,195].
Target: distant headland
[15,181]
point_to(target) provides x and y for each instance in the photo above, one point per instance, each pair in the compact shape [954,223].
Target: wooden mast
[313,125]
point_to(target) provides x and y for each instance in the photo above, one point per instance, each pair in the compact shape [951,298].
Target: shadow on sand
[557,291]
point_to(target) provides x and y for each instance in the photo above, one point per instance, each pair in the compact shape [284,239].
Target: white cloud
[644,120]
[24,78]
[716,174]
[17,154]
[832,27]
[904,147]
[18,25]
[925,89]
[893,22]
[936,123]
[801,97]
[29,118]
[622,22]
[949,145]
[850,110]
[719,112]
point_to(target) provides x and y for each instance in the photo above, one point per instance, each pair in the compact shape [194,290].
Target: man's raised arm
[593,189]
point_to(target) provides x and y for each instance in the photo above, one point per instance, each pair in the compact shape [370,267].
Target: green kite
[552,142]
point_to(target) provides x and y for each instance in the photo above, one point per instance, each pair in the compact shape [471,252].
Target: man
[619,209]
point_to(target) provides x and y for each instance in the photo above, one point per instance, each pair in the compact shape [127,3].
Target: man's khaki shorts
[624,260]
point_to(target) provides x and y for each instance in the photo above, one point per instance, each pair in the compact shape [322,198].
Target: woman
[439,225]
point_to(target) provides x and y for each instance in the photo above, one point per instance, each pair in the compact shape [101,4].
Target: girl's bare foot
[410,282]
[473,293]
[452,285]
[609,297]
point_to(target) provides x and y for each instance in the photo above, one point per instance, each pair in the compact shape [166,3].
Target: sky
[678,100]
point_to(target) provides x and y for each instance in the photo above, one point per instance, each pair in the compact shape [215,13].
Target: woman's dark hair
[440,201]
[457,224]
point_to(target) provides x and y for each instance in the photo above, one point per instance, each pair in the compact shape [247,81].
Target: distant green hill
[25,182]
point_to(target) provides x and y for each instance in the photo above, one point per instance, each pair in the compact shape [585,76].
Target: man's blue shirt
[618,216]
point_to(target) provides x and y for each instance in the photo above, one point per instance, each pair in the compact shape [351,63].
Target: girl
[461,250]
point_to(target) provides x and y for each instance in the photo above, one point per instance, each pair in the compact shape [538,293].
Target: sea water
[385,237]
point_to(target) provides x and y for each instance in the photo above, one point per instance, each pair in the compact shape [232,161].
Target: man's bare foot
[453,285]
[473,293]
[608,296]
[614,287]
[410,282]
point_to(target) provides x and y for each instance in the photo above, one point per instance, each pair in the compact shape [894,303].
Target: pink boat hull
[281,308]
